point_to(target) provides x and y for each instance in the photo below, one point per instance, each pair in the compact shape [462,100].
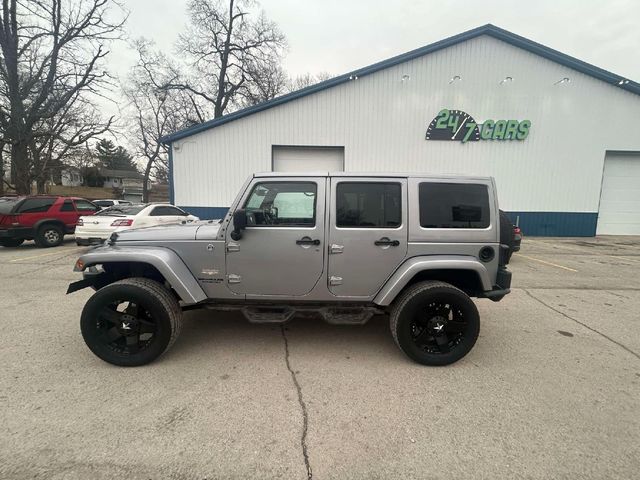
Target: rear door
[68,214]
[368,233]
[281,251]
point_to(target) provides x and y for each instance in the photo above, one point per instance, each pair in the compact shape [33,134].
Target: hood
[156,233]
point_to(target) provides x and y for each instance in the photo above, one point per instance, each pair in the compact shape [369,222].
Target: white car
[109,202]
[95,229]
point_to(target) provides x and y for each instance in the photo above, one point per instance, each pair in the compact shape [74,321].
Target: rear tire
[11,242]
[136,334]
[49,235]
[434,323]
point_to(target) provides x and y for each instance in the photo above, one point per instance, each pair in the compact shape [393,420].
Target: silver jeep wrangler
[342,246]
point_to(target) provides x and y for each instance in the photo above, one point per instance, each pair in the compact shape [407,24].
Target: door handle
[384,241]
[307,241]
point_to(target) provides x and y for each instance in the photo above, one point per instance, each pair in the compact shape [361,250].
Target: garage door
[620,196]
[308,159]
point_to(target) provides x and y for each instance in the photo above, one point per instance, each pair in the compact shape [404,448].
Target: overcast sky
[341,35]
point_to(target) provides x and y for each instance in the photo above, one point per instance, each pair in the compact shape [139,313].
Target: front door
[368,233]
[281,251]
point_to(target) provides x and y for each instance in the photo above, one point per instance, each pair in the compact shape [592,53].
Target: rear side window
[454,205]
[368,205]
[36,205]
[7,204]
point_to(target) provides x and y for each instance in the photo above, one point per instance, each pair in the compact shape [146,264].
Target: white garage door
[308,159]
[620,197]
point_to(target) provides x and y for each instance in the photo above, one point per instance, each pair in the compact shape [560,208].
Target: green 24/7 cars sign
[456,125]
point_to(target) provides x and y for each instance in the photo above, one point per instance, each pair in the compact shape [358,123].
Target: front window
[283,204]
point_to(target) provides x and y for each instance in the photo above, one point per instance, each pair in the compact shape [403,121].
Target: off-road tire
[49,235]
[153,296]
[403,311]
[11,242]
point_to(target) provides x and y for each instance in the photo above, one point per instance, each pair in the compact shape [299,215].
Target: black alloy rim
[439,327]
[125,327]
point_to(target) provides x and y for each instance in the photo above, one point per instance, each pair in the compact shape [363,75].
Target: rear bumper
[502,286]
[19,232]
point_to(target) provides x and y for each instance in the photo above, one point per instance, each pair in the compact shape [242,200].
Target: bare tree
[155,111]
[306,80]
[50,64]
[229,52]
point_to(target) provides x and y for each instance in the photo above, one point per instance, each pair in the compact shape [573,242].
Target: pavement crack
[303,406]
[621,345]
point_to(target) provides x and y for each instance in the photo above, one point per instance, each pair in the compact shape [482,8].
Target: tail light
[122,223]
[80,222]
[9,219]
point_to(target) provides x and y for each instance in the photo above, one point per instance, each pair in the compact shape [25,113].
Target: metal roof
[490,30]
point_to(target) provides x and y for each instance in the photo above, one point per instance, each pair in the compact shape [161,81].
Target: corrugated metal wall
[381,121]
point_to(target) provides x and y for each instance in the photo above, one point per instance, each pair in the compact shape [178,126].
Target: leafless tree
[233,54]
[51,64]
[306,80]
[154,111]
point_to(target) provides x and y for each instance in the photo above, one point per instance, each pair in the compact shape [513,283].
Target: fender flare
[55,221]
[406,271]
[166,261]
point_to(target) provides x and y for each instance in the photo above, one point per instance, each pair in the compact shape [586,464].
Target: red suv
[45,219]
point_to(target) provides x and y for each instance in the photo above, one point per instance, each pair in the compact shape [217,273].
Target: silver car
[343,246]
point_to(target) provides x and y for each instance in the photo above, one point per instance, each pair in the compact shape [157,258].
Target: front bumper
[86,242]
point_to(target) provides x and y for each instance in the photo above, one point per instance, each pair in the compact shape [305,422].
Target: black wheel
[49,235]
[435,323]
[11,242]
[131,322]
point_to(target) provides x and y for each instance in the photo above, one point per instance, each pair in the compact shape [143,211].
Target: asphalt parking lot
[551,390]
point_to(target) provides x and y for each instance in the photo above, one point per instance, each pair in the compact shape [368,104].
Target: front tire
[131,322]
[434,323]
[49,236]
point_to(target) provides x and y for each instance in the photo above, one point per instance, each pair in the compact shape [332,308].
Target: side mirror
[239,224]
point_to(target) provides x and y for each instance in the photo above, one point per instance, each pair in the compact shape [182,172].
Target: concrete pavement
[551,390]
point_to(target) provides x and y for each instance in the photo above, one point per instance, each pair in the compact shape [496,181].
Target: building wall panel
[381,122]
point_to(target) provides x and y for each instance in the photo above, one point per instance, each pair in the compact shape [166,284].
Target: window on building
[163,210]
[454,205]
[368,205]
[36,205]
[284,204]
[67,206]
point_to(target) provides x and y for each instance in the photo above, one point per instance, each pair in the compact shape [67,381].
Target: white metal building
[560,136]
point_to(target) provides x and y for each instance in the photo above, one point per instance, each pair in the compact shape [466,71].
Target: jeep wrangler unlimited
[342,246]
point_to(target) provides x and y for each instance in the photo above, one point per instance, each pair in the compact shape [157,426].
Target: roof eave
[491,30]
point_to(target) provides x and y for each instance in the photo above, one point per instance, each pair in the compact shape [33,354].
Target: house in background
[71,177]
[129,181]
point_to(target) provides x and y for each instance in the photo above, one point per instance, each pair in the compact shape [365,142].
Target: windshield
[117,210]
[7,204]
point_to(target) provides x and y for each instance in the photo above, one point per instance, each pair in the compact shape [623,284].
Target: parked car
[341,246]
[95,229]
[510,235]
[43,218]
[106,203]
